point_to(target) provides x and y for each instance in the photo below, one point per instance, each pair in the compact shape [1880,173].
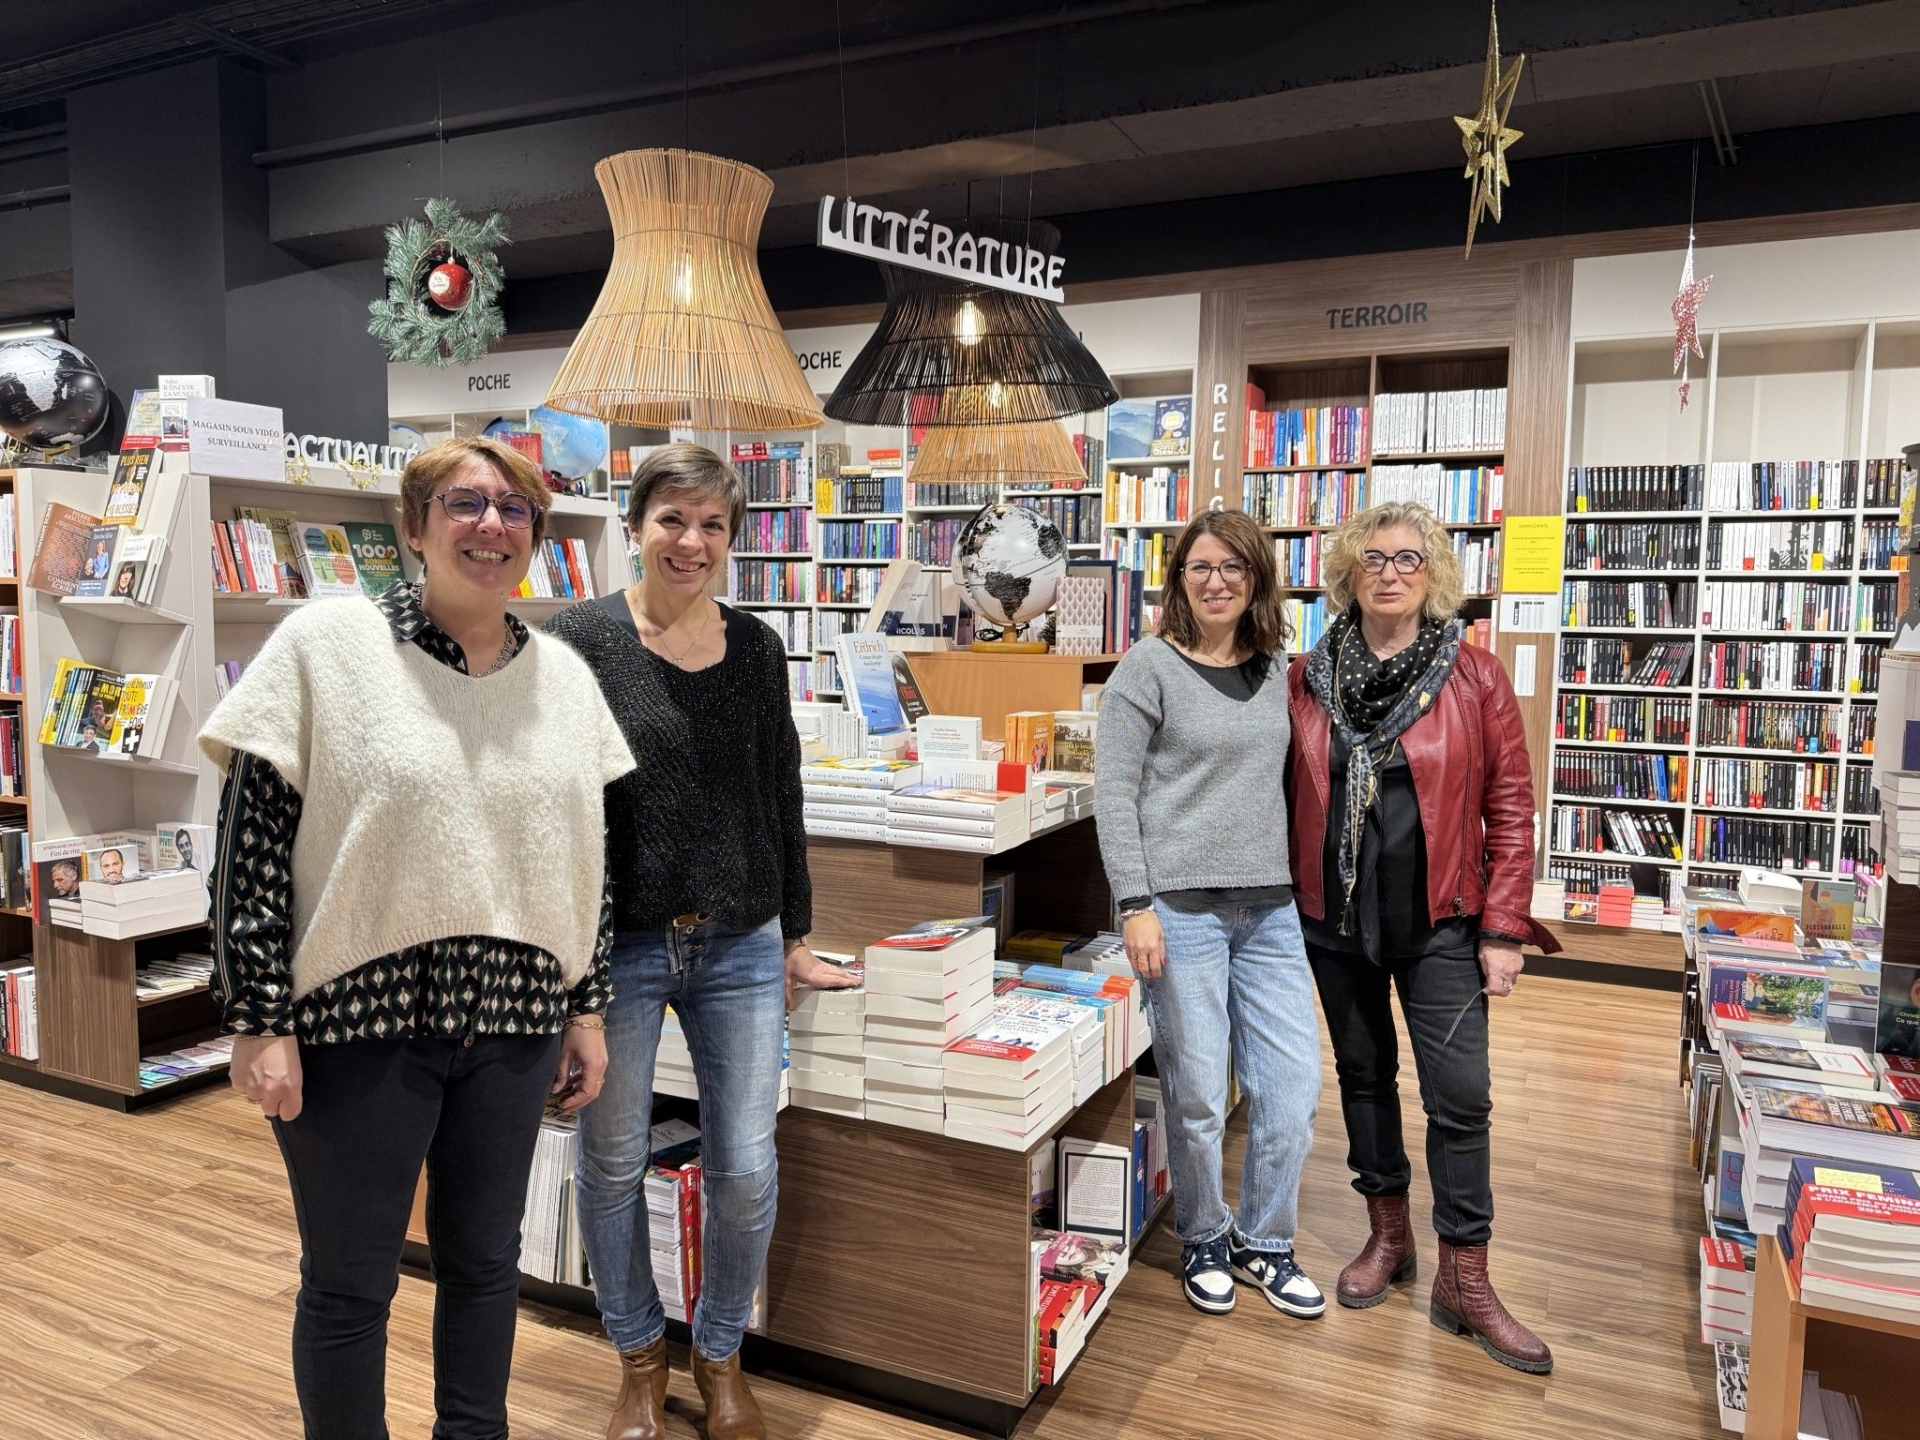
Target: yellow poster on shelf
[1531,553]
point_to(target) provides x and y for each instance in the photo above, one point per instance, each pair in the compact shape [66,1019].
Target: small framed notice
[1095,1188]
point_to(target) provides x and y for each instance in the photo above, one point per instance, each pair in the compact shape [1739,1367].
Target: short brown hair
[427,470]
[1340,562]
[684,468]
[1263,627]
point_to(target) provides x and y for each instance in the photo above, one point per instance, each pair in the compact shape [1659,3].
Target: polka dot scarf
[1372,703]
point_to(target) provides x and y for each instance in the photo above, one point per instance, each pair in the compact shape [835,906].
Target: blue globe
[570,445]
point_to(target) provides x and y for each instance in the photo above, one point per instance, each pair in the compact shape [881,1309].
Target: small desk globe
[1008,564]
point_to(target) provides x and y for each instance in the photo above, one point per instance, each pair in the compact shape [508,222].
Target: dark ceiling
[960,106]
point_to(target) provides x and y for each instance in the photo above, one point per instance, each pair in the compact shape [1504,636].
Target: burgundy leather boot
[732,1412]
[1464,1303]
[640,1413]
[1387,1256]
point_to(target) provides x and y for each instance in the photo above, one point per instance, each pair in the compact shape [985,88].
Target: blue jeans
[729,989]
[1238,976]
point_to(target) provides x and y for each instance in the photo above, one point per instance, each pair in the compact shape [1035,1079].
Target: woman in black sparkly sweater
[707,859]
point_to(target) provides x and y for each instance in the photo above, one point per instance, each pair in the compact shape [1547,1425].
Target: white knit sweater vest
[434,803]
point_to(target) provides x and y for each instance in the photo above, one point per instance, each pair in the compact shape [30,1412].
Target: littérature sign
[910,240]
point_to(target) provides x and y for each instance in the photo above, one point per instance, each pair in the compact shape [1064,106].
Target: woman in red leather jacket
[1412,848]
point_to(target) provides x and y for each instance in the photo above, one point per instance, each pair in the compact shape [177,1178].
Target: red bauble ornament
[449,284]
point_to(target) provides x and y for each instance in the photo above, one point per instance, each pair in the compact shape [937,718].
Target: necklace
[508,649]
[660,634]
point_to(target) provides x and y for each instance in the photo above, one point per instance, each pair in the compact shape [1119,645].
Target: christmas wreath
[443,288]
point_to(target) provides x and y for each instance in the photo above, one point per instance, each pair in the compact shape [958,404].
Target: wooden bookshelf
[1864,1355]
[1820,392]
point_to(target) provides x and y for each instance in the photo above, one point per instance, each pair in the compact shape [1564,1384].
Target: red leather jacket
[1474,784]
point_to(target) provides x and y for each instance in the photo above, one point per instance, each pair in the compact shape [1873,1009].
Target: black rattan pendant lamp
[950,353]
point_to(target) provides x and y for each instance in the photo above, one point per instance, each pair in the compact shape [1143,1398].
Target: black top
[1388,918]
[711,821]
[1237,682]
[466,985]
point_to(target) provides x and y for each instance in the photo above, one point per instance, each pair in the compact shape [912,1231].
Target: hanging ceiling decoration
[1686,321]
[981,355]
[1485,135]
[683,334]
[1029,455]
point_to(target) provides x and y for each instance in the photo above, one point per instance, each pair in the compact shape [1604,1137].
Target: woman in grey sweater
[1191,761]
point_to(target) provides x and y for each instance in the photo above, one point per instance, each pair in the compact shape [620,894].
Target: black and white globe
[1008,564]
[51,396]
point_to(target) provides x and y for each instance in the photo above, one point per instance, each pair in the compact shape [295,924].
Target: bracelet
[1126,915]
[585,1022]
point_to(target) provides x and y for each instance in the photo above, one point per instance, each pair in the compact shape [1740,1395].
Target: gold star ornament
[1485,135]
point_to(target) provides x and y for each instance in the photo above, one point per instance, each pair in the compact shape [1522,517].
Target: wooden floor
[147,1269]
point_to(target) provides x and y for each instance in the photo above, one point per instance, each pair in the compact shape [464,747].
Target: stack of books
[1014,1080]
[1726,1291]
[826,1046]
[1900,824]
[1780,1126]
[20,1012]
[172,975]
[847,799]
[925,989]
[672,1189]
[183,1064]
[1851,1237]
[143,904]
[1074,790]
[941,817]
[550,1245]
[1076,1278]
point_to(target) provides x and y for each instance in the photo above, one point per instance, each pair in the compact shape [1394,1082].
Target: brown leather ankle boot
[639,1413]
[1464,1303]
[1385,1258]
[732,1412]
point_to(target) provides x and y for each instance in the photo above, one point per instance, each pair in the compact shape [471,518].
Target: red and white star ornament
[1686,322]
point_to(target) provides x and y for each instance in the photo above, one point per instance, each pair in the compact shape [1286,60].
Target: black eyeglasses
[466,506]
[1198,572]
[1406,562]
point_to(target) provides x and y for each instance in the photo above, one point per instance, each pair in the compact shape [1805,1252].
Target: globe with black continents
[51,396]
[1008,564]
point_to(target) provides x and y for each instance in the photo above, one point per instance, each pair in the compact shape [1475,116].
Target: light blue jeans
[729,989]
[1236,976]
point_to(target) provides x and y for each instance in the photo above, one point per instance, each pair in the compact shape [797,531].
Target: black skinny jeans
[374,1110]
[1455,1082]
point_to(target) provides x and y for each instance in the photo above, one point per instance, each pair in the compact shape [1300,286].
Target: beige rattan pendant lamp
[683,334]
[1024,455]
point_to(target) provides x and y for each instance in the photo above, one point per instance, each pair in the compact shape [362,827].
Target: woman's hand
[266,1069]
[583,1065]
[1146,944]
[1501,963]
[808,969]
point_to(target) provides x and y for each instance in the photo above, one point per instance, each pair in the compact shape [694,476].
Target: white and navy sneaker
[1206,1277]
[1280,1278]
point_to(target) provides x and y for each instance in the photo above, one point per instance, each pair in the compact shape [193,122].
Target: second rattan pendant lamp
[1023,455]
[683,334]
[980,355]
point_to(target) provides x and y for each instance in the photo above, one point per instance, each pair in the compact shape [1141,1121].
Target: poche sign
[910,240]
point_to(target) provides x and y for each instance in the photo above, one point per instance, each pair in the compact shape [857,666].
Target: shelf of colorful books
[121,611]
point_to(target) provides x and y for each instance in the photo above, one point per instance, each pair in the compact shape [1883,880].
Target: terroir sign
[911,240]
[325,450]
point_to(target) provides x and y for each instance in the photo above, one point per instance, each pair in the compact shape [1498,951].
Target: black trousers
[374,1110]
[1455,1082]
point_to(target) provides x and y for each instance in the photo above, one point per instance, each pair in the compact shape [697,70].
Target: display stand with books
[115,691]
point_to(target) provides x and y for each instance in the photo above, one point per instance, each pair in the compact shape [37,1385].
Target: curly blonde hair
[1340,564]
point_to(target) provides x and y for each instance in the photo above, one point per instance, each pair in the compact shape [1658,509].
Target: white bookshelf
[1816,391]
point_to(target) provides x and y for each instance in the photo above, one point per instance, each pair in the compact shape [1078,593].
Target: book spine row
[775,531]
[830,625]
[1596,830]
[1879,543]
[1629,604]
[1479,557]
[1879,605]
[12,771]
[1866,666]
[1297,558]
[1882,489]
[1773,665]
[770,479]
[1614,775]
[1860,727]
[1863,796]
[1317,497]
[243,562]
[1623,719]
[1144,555]
[1722,784]
[856,492]
[860,540]
[1857,850]
[848,584]
[1600,488]
[1782,484]
[1471,496]
[794,627]
[1818,605]
[1323,435]
[1077,517]
[1780,545]
[1770,725]
[1306,622]
[1160,496]
[1440,421]
[1787,844]
[1586,877]
[1633,545]
[788,582]
[931,542]
[1601,661]
[959,492]
[560,570]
